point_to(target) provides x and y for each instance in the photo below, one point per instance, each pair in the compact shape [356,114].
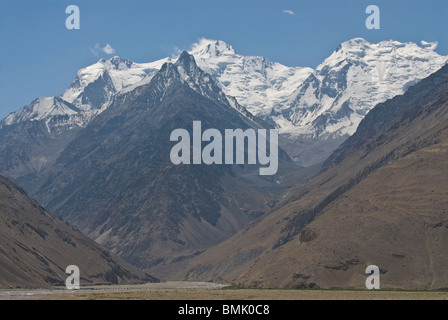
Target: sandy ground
[182,290]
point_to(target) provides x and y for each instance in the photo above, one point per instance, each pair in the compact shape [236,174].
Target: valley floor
[181,290]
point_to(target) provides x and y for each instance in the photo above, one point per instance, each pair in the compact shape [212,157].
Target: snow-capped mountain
[42,109]
[348,84]
[88,95]
[115,180]
[257,83]
[109,76]
[303,103]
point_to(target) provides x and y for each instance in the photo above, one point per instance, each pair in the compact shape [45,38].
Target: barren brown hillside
[36,246]
[381,198]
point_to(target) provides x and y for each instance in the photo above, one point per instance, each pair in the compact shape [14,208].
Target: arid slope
[36,247]
[381,198]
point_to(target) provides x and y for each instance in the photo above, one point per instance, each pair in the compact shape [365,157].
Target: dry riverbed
[183,290]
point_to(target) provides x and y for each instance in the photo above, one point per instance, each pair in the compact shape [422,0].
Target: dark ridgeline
[116,183]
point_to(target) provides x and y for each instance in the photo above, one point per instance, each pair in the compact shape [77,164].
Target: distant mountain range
[98,154]
[316,109]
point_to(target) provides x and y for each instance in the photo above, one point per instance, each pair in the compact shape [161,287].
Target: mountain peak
[42,108]
[357,41]
[120,63]
[186,60]
[211,48]
[356,44]
[352,43]
[114,63]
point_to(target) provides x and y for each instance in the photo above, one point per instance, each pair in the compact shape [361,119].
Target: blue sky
[39,56]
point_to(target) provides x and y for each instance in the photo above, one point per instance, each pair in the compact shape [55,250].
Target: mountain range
[315,110]
[98,155]
[116,183]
